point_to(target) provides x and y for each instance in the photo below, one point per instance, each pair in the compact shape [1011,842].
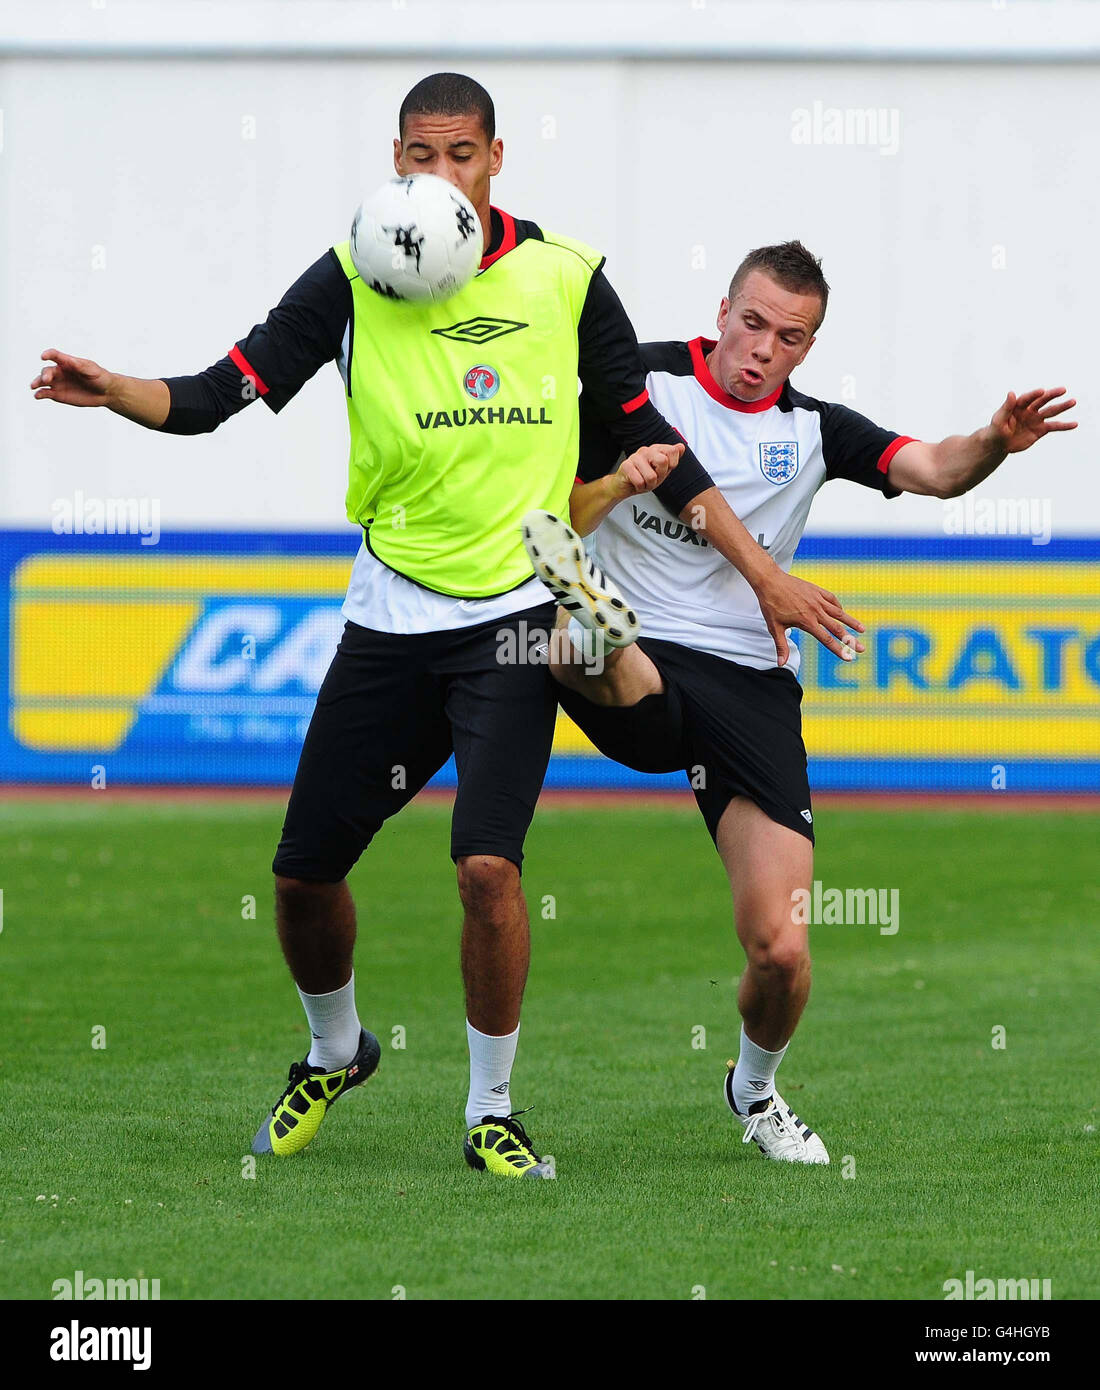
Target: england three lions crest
[779,460]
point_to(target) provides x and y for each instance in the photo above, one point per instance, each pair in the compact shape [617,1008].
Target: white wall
[202,228]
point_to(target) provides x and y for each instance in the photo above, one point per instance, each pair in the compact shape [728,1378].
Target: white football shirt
[768,457]
[385,601]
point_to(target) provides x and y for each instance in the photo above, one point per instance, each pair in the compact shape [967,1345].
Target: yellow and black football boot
[296,1116]
[500,1144]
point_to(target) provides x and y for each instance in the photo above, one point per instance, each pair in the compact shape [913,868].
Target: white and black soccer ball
[417,238]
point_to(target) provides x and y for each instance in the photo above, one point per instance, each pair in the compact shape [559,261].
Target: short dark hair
[449,94]
[791,266]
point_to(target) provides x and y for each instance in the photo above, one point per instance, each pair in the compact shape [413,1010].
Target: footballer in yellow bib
[463,417]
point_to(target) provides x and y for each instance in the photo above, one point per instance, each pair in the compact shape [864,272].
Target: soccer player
[463,417]
[705,689]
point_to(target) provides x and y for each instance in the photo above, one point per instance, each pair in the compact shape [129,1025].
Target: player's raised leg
[615,676]
[767,863]
[578,585]
[592,649]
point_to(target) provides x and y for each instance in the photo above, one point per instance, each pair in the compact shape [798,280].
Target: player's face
[455,148]
[766,331]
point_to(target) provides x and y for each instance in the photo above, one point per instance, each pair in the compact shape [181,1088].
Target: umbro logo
[759,1085]
[479,330]
[501,1089]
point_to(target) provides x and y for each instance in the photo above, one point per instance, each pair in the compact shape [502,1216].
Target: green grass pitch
[126,1160]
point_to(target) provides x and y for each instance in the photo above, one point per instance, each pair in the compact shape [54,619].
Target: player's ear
[398,157]
[496,156]
[723,315]
[805,350]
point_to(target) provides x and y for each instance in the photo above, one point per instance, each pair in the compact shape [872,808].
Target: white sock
[754,1075]
[335,1026]
[590,644]
[490,1072]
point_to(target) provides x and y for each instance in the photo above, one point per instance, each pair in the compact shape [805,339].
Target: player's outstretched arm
[644,470]
[961,461]
[785,600]
[79,381]
[273,362]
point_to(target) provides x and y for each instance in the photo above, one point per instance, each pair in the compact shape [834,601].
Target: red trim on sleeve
[508,241]
[698,347]
[237,357]
[891,449]
[578,480]
[629,407]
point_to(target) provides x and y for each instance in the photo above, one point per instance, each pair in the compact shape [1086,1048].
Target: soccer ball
[417,238]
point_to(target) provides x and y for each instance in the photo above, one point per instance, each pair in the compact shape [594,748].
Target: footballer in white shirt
[710,686]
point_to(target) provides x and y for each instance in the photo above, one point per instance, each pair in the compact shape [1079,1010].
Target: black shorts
[734,730]
[390,712]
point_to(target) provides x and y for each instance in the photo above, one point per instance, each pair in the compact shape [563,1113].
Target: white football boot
[559,559]
[777,1130]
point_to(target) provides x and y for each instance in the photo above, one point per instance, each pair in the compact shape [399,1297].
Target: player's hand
[71,380]
[647,468]
[1022,420]
[787,601]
